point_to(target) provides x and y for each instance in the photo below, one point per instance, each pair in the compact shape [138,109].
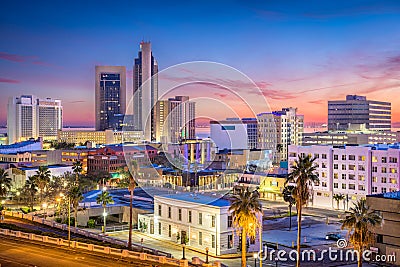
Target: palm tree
[104,199]
[288,197]
[30,190]
[246,211]
[5,183]
[131,187]
[303,175]
[42,177]
[77,169]
[75,196]
[360,221]
[337,198]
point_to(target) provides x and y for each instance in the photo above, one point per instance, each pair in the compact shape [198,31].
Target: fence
[117,228]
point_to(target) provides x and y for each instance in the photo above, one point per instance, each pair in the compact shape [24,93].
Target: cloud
[4,80]
[15,58]
[317,102]
[77,101]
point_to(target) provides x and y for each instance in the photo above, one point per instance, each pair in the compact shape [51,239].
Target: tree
[104,199]
[42,177]
[30,190]
[75,196]
[303,175]
[132,185]
[77,169]
[5,183]
[288,197]
[337,198]
[360,221]
[246,211]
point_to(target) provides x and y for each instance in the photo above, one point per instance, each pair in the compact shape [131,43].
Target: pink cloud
[4,80]
[14,57]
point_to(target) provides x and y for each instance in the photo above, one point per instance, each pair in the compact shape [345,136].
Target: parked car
[333,236]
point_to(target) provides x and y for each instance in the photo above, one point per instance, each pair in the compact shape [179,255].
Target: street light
[255,259]
[183,251]
[69,219]
[44,205]
[207,255]
[104,227]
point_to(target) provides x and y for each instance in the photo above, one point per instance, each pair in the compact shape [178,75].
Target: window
[189,216]
[352,157]
[392,160]
[352,167]
[393,181]
[383,180]
[179,214]
[159,228]
[316,156]
[335,176]
[383,190]
[324,165]
[374,179]
[169,230]
[324,184]
[336,166]
[335,185]
[213,241]
[323,156]
[384,170]
[343,186]
[200,218]
[200,238]
[230,241]
[343,157]
[393,170]
[374,169]
[229,220]
[169,212]
[352,177]
[335,157]
[361,167]
[344,176]
[384,160]
[343,167]
[361,178]
[361,187]
[323,175]
[212,221]
[361,158]
[374,189]
[379,239]
[352,186]
[159,210]
[374,159]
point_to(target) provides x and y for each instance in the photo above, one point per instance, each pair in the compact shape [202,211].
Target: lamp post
[255,259]
[207,255]
[69,219]
[104,219]
[44,205]
[183,251]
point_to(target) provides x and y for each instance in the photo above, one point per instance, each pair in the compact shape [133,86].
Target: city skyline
[301,55]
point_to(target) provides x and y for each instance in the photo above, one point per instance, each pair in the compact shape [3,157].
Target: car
[333,236]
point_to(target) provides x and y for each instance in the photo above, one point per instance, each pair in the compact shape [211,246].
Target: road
[20,253]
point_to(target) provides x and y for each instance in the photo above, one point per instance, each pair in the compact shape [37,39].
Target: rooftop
[203,199]
[20,144]
[388,195]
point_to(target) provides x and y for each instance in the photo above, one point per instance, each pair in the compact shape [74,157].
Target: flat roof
[203,199]
[388,195]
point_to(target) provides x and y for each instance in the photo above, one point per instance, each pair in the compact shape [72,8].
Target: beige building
[80,137]
[388,236]
[16,157]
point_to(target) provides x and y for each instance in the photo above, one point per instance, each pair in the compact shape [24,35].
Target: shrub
[91,223]
[58,220]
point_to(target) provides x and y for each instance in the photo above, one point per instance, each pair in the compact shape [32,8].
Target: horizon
[302,55]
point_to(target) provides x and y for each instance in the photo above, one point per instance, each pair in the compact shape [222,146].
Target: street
[19,253]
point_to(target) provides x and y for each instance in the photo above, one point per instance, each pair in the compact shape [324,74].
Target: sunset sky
[300,53]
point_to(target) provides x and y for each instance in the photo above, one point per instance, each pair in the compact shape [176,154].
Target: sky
[299,53]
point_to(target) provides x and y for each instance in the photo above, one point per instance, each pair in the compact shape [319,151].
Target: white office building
[31,117]
[202,220]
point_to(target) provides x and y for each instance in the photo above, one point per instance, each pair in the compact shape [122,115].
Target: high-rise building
[174,120]
[110,96]
[145,90]
[31,117]
[358,113]
[278,130]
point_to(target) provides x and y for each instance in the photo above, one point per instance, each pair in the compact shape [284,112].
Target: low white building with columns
[202,220]
[354,171]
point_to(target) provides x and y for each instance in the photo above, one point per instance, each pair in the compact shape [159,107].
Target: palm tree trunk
[359,260]
[244,250]
[104,217]
[76,216]
[290,217]
[130,220]
[298,234]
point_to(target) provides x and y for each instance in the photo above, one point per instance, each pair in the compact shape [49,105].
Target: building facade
[354,171]
[110,96]
[356,112]
[175,120]
[352,138]
[32,117]
[80,137]
[145,90]
[201,221]
[278,130]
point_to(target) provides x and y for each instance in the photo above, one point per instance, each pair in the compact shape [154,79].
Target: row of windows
[350,157]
